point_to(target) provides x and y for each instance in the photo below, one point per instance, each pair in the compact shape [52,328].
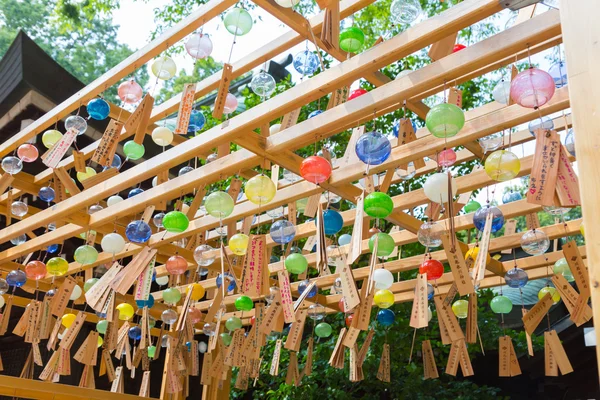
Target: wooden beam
[582,49]
[33,389]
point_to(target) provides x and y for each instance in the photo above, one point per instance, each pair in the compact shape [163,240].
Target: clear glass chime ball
[19,208]
[405,11]
[570,142]
[545,123]
[490,142]
[535,242]
[12,165]
[316,312]
[263,84]
[19,240]
[558,72]
[76,122]
[430,234]
[407,173]
[204,255]
[501,92]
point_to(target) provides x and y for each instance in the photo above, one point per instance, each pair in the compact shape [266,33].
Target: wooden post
[581,35]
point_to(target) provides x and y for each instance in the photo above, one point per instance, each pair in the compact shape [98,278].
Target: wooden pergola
[573,25]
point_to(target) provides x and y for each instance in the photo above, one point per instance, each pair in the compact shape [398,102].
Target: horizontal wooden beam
[33,389]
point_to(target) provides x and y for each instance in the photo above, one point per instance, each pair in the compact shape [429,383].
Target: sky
[137,35]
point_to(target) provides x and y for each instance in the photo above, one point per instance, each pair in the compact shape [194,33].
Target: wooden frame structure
[528,36]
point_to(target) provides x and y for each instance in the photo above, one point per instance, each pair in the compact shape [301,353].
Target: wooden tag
[271,315]
[71,333]
[350,337]
[508,361]
[355,249]
[128,275]
[185,109]
[362,354]
[578,268]
[247,224]
[449,319]
[465,361]
[557,353]
[542,180]
[534,316]
[98,294]
[137,122]
[21,326]
[32,335]
[117,383]
[510,228]
[51,365]
[532,221]
[455,97]
[337,356]
[453,358]
[79,161]
[145,385]
[61,298]
[274,370]
[484,243]
[406,134]
[206,368]
[214,307]
[567,183]
[349,290]
[255,273]
[443,47]
[570,298]
[338,96]
[471,335]
[287,303]
[429,366]
[418,316]
[98,178]
[52,157]
[223,91]
[290,119]
[460,272]
[105,152]
[86,354]
[309,357]
[362,315]
[310,210]
[383,373]
[295,336]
